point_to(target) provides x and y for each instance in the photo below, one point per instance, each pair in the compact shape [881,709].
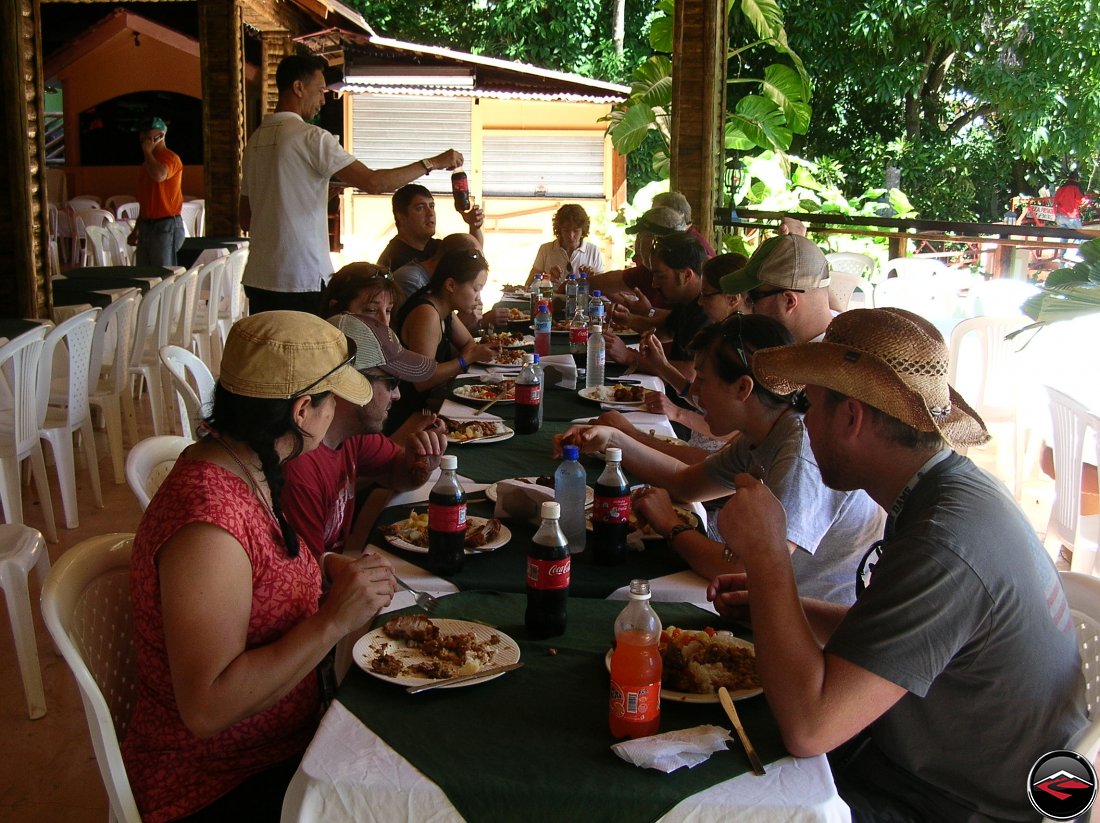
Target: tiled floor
[49,772]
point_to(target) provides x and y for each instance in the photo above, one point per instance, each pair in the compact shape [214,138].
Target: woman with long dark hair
[230,627]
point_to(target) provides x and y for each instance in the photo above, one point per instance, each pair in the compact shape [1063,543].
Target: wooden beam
[222,66]
[698,105]
[274,46]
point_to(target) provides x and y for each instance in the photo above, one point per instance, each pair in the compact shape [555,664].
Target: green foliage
[1069,293]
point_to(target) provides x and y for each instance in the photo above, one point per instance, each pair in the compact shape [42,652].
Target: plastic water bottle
[447,520]
[634,709]
[537,367]
[593,375]
[582,291]
[528,398]
[548,572]
[578,332]
[596,308]
[571,296]
[543,323]
[535,292]
[569,491]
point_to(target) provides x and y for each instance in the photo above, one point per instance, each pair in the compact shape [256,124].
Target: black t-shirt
[397,253]
[683,322]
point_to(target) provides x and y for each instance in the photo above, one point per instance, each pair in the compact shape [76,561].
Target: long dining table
[533,744]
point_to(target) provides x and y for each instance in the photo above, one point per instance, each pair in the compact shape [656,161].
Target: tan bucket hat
[283,354]
[891,359]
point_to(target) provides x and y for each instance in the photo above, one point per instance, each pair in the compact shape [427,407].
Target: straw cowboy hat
[888,358]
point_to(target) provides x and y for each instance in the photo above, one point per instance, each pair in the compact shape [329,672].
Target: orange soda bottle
[635,706]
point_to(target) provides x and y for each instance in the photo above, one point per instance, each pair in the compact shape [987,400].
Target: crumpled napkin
[521,500]
[673,750]
[560,370]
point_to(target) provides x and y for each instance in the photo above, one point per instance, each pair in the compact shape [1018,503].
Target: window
[390,131]
[565,165]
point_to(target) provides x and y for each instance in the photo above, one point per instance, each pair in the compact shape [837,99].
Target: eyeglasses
[755,296]
[347,362]
[388,380]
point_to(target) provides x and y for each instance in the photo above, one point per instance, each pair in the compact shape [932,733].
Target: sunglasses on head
[727,331]
[346,362]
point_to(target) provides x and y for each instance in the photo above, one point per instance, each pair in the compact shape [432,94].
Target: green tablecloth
[192,247]
[129,272]
[86,289]
[536,739]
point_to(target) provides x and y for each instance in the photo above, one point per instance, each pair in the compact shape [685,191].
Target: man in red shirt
[159,230]
[1067,202]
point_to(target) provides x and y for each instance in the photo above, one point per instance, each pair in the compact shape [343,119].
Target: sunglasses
[755,296]
[726,331]
[388,380]
[346,362]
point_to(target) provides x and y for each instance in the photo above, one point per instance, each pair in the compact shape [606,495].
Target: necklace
[250,477]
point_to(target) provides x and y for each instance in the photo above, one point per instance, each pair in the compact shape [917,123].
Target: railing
[55,139]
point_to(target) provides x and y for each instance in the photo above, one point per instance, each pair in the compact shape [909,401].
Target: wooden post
[24,230]
[698,105]
[274,46]
[222,66]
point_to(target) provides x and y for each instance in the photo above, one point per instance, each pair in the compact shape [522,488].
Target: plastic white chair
[22,549]
[152,330]
[19,368]
[120,234]
[194,385]
[100,246]
[232,307]
[180,305]
[842,285]
[204,328]
[988,371]
[86,608]
[150,461]
[84,201]
[128,211]
[68,239]
[861,265]
[115,201]
[913,292]
[910,266]
[1000,296]
[109,373]
[194,217]
[93,215]
[1067,525]
[68,412]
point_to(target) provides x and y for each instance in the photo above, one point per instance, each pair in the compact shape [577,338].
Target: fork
[423,599]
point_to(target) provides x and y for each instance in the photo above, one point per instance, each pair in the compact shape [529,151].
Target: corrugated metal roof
[490,93]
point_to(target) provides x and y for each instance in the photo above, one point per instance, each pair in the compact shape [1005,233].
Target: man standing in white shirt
[284,191]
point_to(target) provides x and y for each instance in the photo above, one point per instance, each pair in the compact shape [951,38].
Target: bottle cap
[639,590]
[596,292]
[597,328]
[538,277]
[551,510]
[528,359]
[448,462]
[571,277]
[613,454]
[571,452]
[536,357]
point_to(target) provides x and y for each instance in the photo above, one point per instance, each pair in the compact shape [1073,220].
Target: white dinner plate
[491,491]
[505,434]
[526,340]
[466,392]
[501,539]
[603,394]
[689,697]
[498,365]
[375,643]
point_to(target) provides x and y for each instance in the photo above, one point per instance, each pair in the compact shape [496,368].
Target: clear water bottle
[570,295]
[634,709]
[541,375]
[535,292]
[447,521]
[543,324]
[582,291]
[548,568]
[596,308]
[593,375]
[578,332]
[569,491]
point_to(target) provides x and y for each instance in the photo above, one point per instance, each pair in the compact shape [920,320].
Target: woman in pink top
[230,626]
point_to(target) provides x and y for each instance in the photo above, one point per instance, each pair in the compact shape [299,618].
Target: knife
[435,684]
[731,712]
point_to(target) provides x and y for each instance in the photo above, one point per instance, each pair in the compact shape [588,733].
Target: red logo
[611,509]
[548,575]
[1062,785]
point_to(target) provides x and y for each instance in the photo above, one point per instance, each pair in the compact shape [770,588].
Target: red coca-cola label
[447,518]
[636,702]
[528,394]
[578,334]
[547,575]
[611,509]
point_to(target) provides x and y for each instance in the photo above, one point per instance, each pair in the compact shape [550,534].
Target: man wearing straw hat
[957,666]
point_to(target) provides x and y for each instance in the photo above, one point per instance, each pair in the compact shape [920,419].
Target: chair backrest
[194,384]
[86,608]
[1000,296]
[211,279]
[149,462]
[842,285]
[108,364]
[100,244]
[77,333]
[182,304]
[151,318]
[93,215]
[113,202]
[913,293]
[1083,595]
[20,359]
[120,234]
[233,306]
[1069,419]
[861,265]
[84,201]
[194,217]
[128,211]
[908,266]
[985,367]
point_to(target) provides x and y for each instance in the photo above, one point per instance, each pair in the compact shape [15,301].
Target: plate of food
[546,480]
[411,534]
[412,649]
[507,340]
[506,358]
[519,316]
[639,524]
[617,393]
[476,431]
[695,664]
[502,392]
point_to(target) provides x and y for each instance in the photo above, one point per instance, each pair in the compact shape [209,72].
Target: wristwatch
[427,164]
[678,529]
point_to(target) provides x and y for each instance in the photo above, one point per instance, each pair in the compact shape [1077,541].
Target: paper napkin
[522,500]
[560,370]
[673,750]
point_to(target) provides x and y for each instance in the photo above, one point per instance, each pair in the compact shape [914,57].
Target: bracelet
[678,529]
[462,364]
[427,164]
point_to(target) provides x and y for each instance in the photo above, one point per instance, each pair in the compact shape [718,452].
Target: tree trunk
[619,31]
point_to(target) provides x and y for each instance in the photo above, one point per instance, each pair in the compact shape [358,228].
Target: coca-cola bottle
[528,397]
[578,332]
[635,706]
[460,190]
[611,512]
[548,565]
[447,521]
